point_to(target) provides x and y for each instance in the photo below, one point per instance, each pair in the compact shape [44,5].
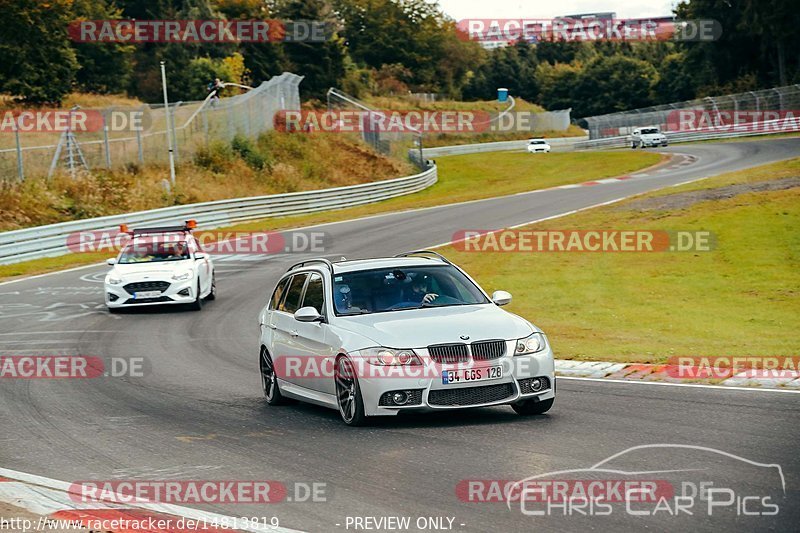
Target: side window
[276,296]
[291,302]
[315,294]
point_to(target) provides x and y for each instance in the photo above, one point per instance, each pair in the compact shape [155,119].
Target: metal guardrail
[767,127]
[51,240]
[502,146]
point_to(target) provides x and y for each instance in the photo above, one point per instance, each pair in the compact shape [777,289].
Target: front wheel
[269,380]
[197,305]
[348,394]
[532,407]
[213,294]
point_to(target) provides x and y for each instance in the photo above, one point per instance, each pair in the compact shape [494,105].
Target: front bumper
[431,394]
[178,292]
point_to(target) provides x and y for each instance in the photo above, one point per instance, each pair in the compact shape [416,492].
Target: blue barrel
[502,95]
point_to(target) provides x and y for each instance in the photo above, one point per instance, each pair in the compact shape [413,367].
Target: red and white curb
[676,162]
[788,380]
[51,498]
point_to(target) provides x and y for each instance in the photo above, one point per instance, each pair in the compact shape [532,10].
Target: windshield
[537,142]
[395,289]
[154,252]
[649,131]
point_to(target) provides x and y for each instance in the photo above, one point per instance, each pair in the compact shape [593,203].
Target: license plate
[146,294]
[469,375]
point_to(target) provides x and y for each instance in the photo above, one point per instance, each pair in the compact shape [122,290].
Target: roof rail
[425,252]
[309,261]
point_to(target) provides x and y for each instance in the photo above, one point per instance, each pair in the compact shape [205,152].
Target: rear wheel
[348,394]
[532,407]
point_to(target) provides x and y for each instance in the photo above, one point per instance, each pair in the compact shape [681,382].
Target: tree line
[391,47]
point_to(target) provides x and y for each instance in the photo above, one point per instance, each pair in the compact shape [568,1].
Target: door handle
[294,333]
[272,326]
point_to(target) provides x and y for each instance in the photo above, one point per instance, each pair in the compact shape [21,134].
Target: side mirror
[308,314]
[501,298]
[111,262]
[199,255]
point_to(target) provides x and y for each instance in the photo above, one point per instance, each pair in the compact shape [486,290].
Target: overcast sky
[462,9]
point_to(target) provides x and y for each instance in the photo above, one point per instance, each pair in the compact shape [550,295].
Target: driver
[419,291]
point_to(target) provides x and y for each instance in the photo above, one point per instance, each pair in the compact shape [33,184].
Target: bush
[216,156]
[244,147]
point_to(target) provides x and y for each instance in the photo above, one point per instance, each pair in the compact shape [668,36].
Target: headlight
[532,344]
[390,357]
[111,280]
[183,275]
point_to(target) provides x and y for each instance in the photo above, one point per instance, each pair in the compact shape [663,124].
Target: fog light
[184,292]
[536,385]
[112,297]
[400,398]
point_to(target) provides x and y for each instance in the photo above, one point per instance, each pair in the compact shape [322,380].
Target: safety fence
[192,125]
[755,104]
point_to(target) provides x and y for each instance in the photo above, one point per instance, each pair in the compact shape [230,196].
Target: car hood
[418,328]
[154,271]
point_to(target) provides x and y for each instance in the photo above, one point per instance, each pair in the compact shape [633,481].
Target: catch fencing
[192,125]
[769,100]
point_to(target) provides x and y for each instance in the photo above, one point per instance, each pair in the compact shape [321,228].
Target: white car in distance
[160,266]
[536,146]
[377,337]
[650,136]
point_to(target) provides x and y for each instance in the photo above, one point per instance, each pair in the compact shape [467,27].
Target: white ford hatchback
[410,333]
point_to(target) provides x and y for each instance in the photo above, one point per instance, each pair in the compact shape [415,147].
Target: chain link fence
[396,144]
[769,100]
[192,125]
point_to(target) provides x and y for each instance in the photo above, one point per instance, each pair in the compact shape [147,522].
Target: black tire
[197,305]
[213,294]
[269,381]
[532,407]
[348,394]
[633,146]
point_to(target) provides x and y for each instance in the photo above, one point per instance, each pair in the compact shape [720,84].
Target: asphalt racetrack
[198,412]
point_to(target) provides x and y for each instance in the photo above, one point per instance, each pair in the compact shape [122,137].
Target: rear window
[279,290]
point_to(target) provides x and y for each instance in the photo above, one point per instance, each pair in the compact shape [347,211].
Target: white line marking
[541,219]
[178,510]
[690,385]
[51,273]
[336,222]
[57,332]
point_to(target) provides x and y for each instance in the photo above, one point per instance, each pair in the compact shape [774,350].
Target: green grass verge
[461,178]
[739,299]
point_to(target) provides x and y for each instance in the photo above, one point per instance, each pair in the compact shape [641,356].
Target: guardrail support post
[20,170]
[106,143]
